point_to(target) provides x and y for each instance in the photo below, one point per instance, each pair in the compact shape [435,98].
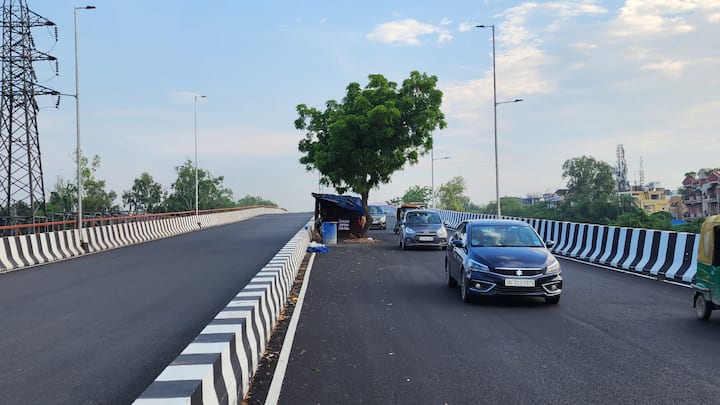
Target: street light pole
[197,218]
[495,104]
[77,128]
[432,175]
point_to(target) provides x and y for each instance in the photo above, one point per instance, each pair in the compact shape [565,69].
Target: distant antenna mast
[21,176]
[621,170]
[642,173]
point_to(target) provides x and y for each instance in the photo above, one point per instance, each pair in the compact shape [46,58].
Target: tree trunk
[368,218]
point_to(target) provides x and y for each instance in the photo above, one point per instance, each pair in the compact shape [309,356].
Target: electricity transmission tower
[21,176]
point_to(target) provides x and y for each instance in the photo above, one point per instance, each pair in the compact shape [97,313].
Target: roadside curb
[217,367]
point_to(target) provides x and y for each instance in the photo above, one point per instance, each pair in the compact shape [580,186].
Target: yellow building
[650,199]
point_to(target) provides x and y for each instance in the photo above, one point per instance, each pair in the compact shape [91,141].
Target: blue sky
[592,74]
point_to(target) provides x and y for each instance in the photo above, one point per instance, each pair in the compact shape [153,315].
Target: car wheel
[552,300]
[702,309]
[465,296]
[451,282]
[402,244]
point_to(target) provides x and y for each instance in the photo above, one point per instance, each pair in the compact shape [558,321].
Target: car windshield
[373,209]
[422,217]
[503,235]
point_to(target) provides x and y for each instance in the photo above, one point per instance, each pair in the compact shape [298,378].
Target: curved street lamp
[495,104]
[197,218]
[83,244]
[432,175]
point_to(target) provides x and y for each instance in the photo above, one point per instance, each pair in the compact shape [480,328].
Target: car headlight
[553,267]
[409,230]
[442,233]
[477,266]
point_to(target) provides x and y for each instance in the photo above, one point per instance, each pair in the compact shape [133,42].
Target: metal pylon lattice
[23,191]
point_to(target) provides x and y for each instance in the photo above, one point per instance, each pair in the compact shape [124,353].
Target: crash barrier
[216,368]
[27,250]
[664,254]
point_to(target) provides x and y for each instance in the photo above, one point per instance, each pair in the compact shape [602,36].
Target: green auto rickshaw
[706,283]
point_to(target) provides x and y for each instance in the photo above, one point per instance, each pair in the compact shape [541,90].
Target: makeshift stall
[340,215]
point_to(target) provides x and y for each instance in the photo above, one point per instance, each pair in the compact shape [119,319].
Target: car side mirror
[458,243]
[549,243]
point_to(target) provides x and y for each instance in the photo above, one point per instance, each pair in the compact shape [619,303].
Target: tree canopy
[145,195]
[211,192]
[588,180]
[357,144]
[417,194]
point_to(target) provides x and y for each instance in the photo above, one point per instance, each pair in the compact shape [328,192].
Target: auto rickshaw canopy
[709,233]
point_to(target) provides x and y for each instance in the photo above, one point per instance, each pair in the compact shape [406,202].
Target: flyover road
[379,326]
[98,329]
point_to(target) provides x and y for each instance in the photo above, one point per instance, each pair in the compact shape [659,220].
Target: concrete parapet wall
[665,254]
[17,252]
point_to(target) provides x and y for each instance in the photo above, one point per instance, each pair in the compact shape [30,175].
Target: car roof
[494,221]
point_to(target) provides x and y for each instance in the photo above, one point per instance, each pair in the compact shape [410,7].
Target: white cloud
[714,17]
[638,17]
[444,37]
[585,45]
[672,68]
[465,27]
[408,32]
[404,32]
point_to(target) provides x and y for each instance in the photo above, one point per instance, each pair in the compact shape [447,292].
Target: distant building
[700,193]
[530,200]
[651,198]
[677,207]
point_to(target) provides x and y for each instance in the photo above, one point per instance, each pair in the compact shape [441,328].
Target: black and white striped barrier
[21,251]
[216,368]
[671,255]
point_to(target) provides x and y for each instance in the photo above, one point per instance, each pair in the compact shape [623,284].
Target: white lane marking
[274,392]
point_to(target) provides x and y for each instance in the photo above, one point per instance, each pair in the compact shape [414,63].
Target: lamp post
[495,104]
[432,175]
[197,218]
[77,128]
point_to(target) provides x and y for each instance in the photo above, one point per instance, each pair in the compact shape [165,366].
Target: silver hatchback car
[420,228]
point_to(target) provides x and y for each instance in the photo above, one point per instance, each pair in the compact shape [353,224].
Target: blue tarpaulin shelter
[346,210]
[343,201]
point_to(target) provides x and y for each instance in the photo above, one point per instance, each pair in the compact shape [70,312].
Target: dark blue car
[501,257]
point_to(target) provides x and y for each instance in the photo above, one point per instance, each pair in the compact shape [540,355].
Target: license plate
[426,238]
[514,282]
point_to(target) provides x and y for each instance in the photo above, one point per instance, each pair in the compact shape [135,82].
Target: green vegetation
[421,194]
[357,144]
[590,198]
[145,195]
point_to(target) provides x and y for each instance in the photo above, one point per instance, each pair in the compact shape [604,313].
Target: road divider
[217,367]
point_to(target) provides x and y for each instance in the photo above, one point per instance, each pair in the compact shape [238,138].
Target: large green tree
[451,195]
[145,195]
[588,180]
[64,197]
[211,192]
[357,144]
[417,194]
[95,197]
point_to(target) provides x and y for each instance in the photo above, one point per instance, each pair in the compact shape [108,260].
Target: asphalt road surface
[98,329]
[379,326]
